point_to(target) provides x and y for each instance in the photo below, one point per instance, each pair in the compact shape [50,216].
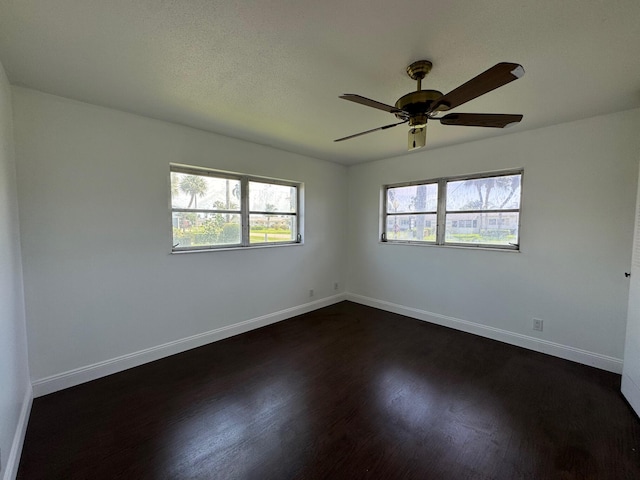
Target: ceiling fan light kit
[418,107]
[417,138]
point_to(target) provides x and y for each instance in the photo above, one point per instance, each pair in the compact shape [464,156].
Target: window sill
[458,246]
[227,249]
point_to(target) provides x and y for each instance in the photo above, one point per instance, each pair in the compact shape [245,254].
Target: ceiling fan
[417,108]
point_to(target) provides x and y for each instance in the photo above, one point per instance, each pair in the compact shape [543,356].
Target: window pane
[492,193]
[209,193]
[267,197]
[413,198]
[414,228]
[205,229]
[272,228]
[490,228]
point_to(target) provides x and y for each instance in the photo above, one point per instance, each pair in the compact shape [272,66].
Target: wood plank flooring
[345,392]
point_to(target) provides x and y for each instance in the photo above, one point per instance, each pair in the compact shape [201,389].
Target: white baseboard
[53,383]
[631,392]
[13,460]
[87,373]
[585,357]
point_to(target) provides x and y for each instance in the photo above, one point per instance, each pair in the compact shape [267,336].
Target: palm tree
[269,207]
[195,186]
[175,184]
[505,186]
[420,203]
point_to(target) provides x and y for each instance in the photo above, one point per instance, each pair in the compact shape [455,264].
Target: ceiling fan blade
[352,97]
[495,120]
[495,77]
[370,131]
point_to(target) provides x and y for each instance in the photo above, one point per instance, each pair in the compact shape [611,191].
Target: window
[410,212]
[476,211]
[212,209]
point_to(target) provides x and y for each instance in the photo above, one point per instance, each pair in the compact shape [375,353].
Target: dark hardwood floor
[345,392]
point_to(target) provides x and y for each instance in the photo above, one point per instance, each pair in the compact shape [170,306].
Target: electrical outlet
[311,292]
[335,286]
[537,324]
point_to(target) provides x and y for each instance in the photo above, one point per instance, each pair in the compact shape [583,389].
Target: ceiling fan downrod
[418,70]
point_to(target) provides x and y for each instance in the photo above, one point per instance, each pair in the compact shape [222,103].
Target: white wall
[100,282]
[579,189]
[14,375]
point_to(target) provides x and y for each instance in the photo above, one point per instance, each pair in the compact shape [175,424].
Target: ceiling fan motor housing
[417,104]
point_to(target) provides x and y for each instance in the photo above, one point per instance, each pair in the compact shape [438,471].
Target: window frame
[244,212]
[442,212]
[385,213]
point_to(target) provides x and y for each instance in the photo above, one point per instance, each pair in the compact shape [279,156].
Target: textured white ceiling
[271,71]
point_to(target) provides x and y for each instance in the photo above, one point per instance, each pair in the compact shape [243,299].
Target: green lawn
[270,236]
